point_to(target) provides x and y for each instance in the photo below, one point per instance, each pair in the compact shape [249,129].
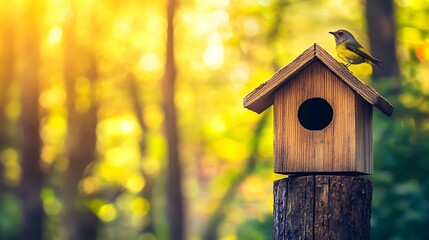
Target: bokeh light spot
[250,27]
[140,206]
[135,183]
[149,62]
[89,185]
[55,35]
[422,51]
[9,158]
[51,203]
[213,56]
[239,76]
[107,212]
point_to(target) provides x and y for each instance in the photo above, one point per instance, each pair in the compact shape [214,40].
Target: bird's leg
[348,64]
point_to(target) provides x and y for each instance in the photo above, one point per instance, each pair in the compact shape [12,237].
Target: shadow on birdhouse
[322,116]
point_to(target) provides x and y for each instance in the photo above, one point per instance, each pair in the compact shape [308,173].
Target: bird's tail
[376,62]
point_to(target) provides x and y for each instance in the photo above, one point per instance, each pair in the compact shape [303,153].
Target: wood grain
[262,97]
[299,209]
[280,193]
[364,148]
[322,207]
[332,149]
[365,91]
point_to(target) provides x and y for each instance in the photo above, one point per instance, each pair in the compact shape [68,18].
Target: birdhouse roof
[263,96]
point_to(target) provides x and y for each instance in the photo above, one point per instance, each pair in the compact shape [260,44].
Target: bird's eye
[340,33]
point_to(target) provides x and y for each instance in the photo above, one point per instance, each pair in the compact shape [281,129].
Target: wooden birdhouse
[322,116]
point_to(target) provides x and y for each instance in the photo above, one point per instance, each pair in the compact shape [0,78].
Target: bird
[349,49]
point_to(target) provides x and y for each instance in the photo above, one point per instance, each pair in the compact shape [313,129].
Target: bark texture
[322,207]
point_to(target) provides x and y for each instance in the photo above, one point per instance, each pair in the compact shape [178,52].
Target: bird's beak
[332,33]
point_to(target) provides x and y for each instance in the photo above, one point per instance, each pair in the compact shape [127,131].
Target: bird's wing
[358,49]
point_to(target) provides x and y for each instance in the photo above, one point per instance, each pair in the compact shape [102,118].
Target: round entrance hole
[315,114]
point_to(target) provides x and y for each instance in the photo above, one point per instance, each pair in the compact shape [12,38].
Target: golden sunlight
[55,35]
[9,158]
[422,51]
[213,56]
[239,76]
[150,62]
[135,183]
[107,212]
[140,206]
[89,185]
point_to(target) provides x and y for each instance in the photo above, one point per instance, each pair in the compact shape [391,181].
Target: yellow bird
[351,51]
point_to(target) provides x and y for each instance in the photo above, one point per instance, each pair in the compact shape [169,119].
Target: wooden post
[322,207]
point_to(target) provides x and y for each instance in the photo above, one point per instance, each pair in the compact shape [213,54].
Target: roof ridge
[262,97]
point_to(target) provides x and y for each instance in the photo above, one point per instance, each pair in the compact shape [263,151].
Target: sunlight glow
[48,154]
[53,97]
[53,131]
[121,27]
[229,237]
[127,126]
[124,126]
[121,156]
[250,27]
[9,158]
[409,35]
[219,17]
[55,35]
[230,149]
[149,62]
[153,116]
[107,212]
[213,56]
[239,76]
[217,125]
[140,206]
[89,185]
[135,183]
[221,3]
[422,51]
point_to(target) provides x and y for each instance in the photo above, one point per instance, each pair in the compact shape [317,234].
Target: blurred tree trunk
[147,192]
[6,75]
[80,222]
[174,176]
[30,141]
[382,37]
[215,220]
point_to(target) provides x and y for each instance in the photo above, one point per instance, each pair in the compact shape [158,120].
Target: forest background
[124,119]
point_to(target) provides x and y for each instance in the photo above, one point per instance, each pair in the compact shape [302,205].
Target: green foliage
[256,229]
[10,211]
[401,179]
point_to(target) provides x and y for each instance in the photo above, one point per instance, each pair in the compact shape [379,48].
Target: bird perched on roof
[351,51]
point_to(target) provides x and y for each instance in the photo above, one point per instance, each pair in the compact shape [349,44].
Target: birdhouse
[322,116]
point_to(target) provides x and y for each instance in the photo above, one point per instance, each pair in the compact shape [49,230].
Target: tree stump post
[322,207]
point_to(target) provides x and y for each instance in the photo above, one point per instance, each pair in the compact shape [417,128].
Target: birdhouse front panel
[322,115]
[317,124]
